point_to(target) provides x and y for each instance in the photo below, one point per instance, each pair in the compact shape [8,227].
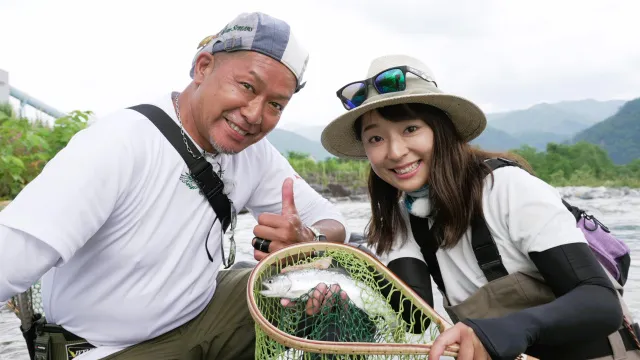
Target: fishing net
[26,304]
[382,319]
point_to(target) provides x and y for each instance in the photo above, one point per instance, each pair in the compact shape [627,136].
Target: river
[618,209]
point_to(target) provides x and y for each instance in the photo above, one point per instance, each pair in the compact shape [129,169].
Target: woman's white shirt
[524,214]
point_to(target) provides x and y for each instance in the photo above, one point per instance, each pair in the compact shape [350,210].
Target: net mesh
[360,313]
[363,315]
[26,304]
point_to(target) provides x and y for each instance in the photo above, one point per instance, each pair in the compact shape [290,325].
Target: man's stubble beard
[221,149]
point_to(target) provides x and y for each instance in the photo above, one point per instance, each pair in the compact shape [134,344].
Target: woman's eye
[375,139]
[412,128]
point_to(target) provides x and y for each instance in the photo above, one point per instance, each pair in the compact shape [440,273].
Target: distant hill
[540,118]
[543,123]
[561,118]
[535,126]
[593,111]
[493,139]
[285,140]
[540,139]
[619,134]
[310,132]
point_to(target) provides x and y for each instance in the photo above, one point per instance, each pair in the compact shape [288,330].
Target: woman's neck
[419,193]
[417,202]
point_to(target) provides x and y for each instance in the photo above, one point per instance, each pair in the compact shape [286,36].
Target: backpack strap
[200,169]
[482,242]
[486,250]
[428,247]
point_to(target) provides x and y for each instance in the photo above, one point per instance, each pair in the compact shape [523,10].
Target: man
[129,248]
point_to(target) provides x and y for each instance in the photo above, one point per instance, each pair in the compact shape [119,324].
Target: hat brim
[339,137]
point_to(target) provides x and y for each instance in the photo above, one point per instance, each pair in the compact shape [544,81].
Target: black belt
[53,328]
[589,350]
[42,346]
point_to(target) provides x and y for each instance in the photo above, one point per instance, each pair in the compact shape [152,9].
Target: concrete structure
[25,99]
[4,86]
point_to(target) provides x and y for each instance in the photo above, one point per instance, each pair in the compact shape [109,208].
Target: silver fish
[295,283]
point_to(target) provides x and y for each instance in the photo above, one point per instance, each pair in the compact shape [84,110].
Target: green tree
[26,146]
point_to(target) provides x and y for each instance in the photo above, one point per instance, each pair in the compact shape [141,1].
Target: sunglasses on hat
[390,80]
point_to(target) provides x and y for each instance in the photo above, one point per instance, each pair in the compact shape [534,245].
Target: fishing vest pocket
[52,342]
[520,291]
[500,297]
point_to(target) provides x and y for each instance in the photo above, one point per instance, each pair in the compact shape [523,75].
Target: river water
[618,209]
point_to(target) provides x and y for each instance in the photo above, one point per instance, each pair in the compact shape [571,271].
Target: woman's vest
[506,293]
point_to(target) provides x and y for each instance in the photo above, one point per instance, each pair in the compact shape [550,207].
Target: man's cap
[262,33]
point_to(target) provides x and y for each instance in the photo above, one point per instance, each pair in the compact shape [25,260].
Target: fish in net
[374,315]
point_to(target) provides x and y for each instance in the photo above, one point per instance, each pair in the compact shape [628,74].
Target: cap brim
[339,139]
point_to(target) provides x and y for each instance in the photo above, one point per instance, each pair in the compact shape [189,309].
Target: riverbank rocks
[338,190]
[340,193]
[601,192]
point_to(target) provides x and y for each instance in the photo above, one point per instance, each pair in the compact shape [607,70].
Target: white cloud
[101,55]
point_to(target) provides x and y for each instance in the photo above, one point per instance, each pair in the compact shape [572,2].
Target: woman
[553,299]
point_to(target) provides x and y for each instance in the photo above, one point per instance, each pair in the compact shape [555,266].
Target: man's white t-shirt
[523,213]
[130,226]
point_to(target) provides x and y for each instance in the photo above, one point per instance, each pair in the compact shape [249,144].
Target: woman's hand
[470,346]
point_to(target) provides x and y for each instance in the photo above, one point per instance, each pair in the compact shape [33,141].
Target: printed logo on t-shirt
[188,180]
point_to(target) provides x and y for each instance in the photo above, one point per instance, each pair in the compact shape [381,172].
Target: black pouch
[29,334]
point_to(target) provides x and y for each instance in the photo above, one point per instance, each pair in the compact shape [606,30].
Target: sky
[503,55]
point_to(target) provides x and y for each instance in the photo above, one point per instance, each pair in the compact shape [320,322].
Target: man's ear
[203,67]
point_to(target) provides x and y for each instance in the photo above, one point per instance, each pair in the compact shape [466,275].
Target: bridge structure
[25,101]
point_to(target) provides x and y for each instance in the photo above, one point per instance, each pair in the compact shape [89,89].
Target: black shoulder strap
[482,242]
[496,163]
[428,246]
[200,169]
[486,250]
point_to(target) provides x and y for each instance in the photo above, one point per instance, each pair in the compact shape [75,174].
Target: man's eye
[248,86]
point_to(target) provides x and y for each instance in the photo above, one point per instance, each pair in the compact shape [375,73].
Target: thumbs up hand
[276,231]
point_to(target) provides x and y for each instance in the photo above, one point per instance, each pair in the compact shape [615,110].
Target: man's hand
[281,230]
[322,296]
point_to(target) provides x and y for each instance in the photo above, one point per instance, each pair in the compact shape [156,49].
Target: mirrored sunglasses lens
[355,95]
[390,81]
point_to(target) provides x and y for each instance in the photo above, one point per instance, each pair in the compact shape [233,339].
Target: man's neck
[184,113]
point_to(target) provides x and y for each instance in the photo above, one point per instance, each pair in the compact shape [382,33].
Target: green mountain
[557,118]
[540,139]
[535,126]
[493,139]
[593,111]
[285,141]
[619,134]
[310,132]
[540,118]
[552,122]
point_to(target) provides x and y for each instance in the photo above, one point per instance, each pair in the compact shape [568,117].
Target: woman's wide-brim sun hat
[339,137]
